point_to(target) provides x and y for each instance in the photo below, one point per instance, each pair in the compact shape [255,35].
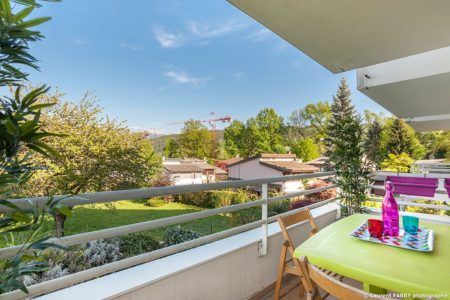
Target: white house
[191,171]
[271,165]
[181,174]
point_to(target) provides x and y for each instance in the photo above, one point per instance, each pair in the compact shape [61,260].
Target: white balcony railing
[102,197]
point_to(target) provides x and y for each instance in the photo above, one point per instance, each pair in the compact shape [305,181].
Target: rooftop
[183,168]
[290,166]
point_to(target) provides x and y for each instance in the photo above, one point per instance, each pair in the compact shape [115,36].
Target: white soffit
[344,35]
[414,86]
[431,124]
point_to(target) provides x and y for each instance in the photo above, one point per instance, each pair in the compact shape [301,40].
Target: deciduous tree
[195,140]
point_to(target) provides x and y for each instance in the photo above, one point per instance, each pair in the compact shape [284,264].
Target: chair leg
[281,267]
[301,289]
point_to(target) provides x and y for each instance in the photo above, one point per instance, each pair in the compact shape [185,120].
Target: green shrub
[177,235]
[156,202]
[213,199]
[137,243]
[276,208]
[245,216]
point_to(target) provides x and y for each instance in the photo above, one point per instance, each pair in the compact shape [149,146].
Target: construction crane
[212,123]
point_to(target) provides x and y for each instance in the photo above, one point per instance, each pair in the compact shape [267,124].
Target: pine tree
[372,145]
[345,150]
[399,142]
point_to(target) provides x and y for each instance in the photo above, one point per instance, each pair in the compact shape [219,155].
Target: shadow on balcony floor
[290,290]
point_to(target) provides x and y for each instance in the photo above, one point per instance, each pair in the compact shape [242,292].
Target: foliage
[95,154]
[279,207]
[195,140]
[171,148]
[262,134]
[213,199]
[244,216]
[323,195]
[21,134]
[314,116]
[373,147]
[401,137]
[397,163]
[137,243]
[177,235]
[437,144]
[235,137]
[306,149]
[97,253]
[345,151]
[155,202]
[16,33]
[301,203]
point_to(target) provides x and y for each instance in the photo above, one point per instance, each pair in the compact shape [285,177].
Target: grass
[92,218]
[86,219]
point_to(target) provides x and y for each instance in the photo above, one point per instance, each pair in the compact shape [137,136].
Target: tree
[171,148]
[314,117]
[265,133]
[235,139]
[306,149]
[195,140]
[21,135]
[398,140]
[402,138]
[397,163]
[437,143]
[96,154]
[373,147]
[345,151]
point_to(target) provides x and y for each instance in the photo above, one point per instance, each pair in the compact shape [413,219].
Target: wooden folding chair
[288,246]
[314,277]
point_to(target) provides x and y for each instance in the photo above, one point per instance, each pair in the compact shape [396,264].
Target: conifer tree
[373,147]
[345,149]
[399,142]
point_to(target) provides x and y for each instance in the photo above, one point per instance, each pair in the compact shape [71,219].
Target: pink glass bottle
[390,211]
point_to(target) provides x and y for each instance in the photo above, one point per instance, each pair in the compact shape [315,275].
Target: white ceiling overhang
[416,88]
[349,34]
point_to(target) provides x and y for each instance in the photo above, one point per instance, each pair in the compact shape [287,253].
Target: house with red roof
[271,165]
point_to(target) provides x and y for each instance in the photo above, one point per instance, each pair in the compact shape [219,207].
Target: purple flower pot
[415,186]
[447,185]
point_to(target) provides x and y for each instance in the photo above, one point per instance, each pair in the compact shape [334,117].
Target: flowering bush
[324,195]
[177,235]
[97,253]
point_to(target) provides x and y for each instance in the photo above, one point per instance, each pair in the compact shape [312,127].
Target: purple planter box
[415,186]
[447,185]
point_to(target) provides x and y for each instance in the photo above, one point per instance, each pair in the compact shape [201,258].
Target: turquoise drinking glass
[410,224]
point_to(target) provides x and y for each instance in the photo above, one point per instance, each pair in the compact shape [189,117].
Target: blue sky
[155,62]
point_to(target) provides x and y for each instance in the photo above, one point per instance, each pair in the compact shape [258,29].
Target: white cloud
[181,77]
[240,76]
[168,39]
[131,46]
[261,35]
[205,31]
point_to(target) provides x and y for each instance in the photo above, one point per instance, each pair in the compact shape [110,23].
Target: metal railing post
[264,216]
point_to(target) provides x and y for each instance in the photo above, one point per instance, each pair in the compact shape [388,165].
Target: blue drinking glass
[410,224]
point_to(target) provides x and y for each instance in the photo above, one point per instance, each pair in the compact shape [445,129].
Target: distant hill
[160,141]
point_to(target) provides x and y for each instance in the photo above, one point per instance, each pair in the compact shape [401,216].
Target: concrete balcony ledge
[226,269]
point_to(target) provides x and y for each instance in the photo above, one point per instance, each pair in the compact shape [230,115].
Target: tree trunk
[59,221]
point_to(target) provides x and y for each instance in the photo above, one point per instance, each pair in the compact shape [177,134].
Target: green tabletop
[391,268]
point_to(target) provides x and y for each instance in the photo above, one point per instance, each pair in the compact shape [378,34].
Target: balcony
[238,263]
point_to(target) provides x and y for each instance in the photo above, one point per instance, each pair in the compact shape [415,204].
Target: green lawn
[92,218]
[128,212]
